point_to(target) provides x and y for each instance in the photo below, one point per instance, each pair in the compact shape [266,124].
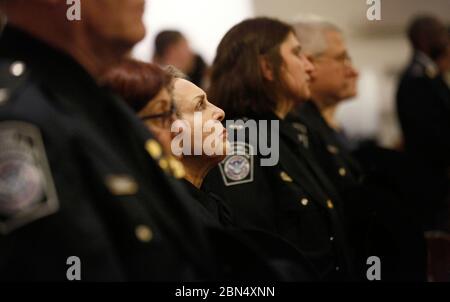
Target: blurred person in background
[443,63]
[2,21]
[446,64]
[423,106]
[376,221]
[172,48]
[438,236]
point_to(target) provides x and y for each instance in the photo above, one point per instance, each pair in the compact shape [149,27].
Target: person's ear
[266,68]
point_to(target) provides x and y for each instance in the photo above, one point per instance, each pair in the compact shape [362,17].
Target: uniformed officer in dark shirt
[163,98]
[423,105]
[376,222]
[78,171]
[280,190]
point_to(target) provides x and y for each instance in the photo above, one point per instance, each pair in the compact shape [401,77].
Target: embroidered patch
[302,135]
[304,140]
[238,167]
[300,127]
[27,191]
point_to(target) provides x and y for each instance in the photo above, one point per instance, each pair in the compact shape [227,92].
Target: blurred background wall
[379,48]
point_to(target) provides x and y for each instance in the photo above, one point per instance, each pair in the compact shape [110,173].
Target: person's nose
[309,66]
[218,114]
[352,71]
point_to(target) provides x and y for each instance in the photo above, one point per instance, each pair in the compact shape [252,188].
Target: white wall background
[203,22]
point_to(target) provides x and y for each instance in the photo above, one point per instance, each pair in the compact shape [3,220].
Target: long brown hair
[237,83]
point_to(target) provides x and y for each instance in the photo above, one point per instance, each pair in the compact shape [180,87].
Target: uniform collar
[43,59]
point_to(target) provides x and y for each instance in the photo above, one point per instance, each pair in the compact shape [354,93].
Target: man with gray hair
[334,79]
[375,222]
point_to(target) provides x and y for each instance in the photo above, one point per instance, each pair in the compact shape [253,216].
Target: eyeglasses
[342,59]
[169,113]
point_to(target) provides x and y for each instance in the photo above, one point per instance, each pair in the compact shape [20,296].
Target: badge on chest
[237,168]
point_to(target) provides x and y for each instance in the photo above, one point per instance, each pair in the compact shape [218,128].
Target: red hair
[136,82]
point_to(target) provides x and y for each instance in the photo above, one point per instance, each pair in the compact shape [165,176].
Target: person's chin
[134,34]
[352,91]
[139,33]
[306,94]
[349,95]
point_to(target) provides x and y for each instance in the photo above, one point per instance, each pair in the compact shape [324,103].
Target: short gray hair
[174,72]
[311,31]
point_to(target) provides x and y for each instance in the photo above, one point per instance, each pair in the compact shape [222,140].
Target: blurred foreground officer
[423,103]
[377,224]
[77,170]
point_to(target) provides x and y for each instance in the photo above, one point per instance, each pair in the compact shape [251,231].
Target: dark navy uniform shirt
[79,176]
[291,199]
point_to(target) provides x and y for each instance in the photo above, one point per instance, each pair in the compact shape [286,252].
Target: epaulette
[416,70]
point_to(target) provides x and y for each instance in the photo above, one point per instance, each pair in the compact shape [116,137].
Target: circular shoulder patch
[237,167]
[20,186]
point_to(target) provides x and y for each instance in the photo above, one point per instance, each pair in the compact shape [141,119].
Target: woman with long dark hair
[260,74]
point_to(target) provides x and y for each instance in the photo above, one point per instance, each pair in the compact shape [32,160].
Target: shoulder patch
[27,191]
[237,168]
[300,127]
[302,134]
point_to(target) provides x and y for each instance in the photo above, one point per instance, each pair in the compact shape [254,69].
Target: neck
[96,63]
[196,169]
[328,114]
[327,108]
[284,106]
